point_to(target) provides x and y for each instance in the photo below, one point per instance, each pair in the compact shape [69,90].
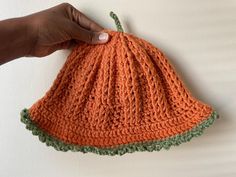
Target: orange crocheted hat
[116,98]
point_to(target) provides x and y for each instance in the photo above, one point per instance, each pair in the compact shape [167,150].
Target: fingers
[64,45]
[91,37]
[83,20]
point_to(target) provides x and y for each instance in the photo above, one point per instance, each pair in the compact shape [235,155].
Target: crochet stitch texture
[115,98]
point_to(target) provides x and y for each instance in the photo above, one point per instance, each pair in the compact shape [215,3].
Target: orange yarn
[121,92]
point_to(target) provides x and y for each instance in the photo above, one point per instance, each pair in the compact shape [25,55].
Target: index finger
[83,20]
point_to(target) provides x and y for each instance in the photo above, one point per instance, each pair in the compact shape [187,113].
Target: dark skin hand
[44,32]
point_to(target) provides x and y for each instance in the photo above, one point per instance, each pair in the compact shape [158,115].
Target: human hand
[61,27]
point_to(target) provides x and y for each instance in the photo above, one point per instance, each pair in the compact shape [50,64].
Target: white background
[199,36]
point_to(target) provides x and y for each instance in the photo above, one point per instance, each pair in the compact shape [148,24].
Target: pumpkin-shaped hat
[116,98]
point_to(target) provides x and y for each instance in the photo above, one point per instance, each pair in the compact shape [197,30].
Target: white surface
[199,36]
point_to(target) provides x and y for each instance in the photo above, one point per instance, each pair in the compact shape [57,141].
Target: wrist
[17,38]
[29,34]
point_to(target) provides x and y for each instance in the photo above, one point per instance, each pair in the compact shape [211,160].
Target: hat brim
[154,145]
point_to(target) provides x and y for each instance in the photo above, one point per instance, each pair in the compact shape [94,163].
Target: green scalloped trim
[121,149]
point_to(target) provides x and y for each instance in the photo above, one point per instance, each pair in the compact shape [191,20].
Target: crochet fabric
[114,98]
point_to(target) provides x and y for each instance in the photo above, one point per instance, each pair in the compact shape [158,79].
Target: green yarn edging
[156,145]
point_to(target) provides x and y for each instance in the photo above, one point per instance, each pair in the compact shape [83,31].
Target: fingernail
[103,37]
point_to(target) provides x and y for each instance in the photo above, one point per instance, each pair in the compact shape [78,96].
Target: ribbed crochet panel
[118,93]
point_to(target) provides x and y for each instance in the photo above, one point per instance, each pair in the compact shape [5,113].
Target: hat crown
[124,84]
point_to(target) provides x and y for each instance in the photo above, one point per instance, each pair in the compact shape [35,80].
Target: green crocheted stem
[117,22]
[122,149]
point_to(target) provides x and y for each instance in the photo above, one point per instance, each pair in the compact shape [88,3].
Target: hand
[61,27]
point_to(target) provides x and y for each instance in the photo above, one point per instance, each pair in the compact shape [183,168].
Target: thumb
[79,33]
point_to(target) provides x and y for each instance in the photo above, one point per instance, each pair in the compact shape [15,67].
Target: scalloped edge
[150,146]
